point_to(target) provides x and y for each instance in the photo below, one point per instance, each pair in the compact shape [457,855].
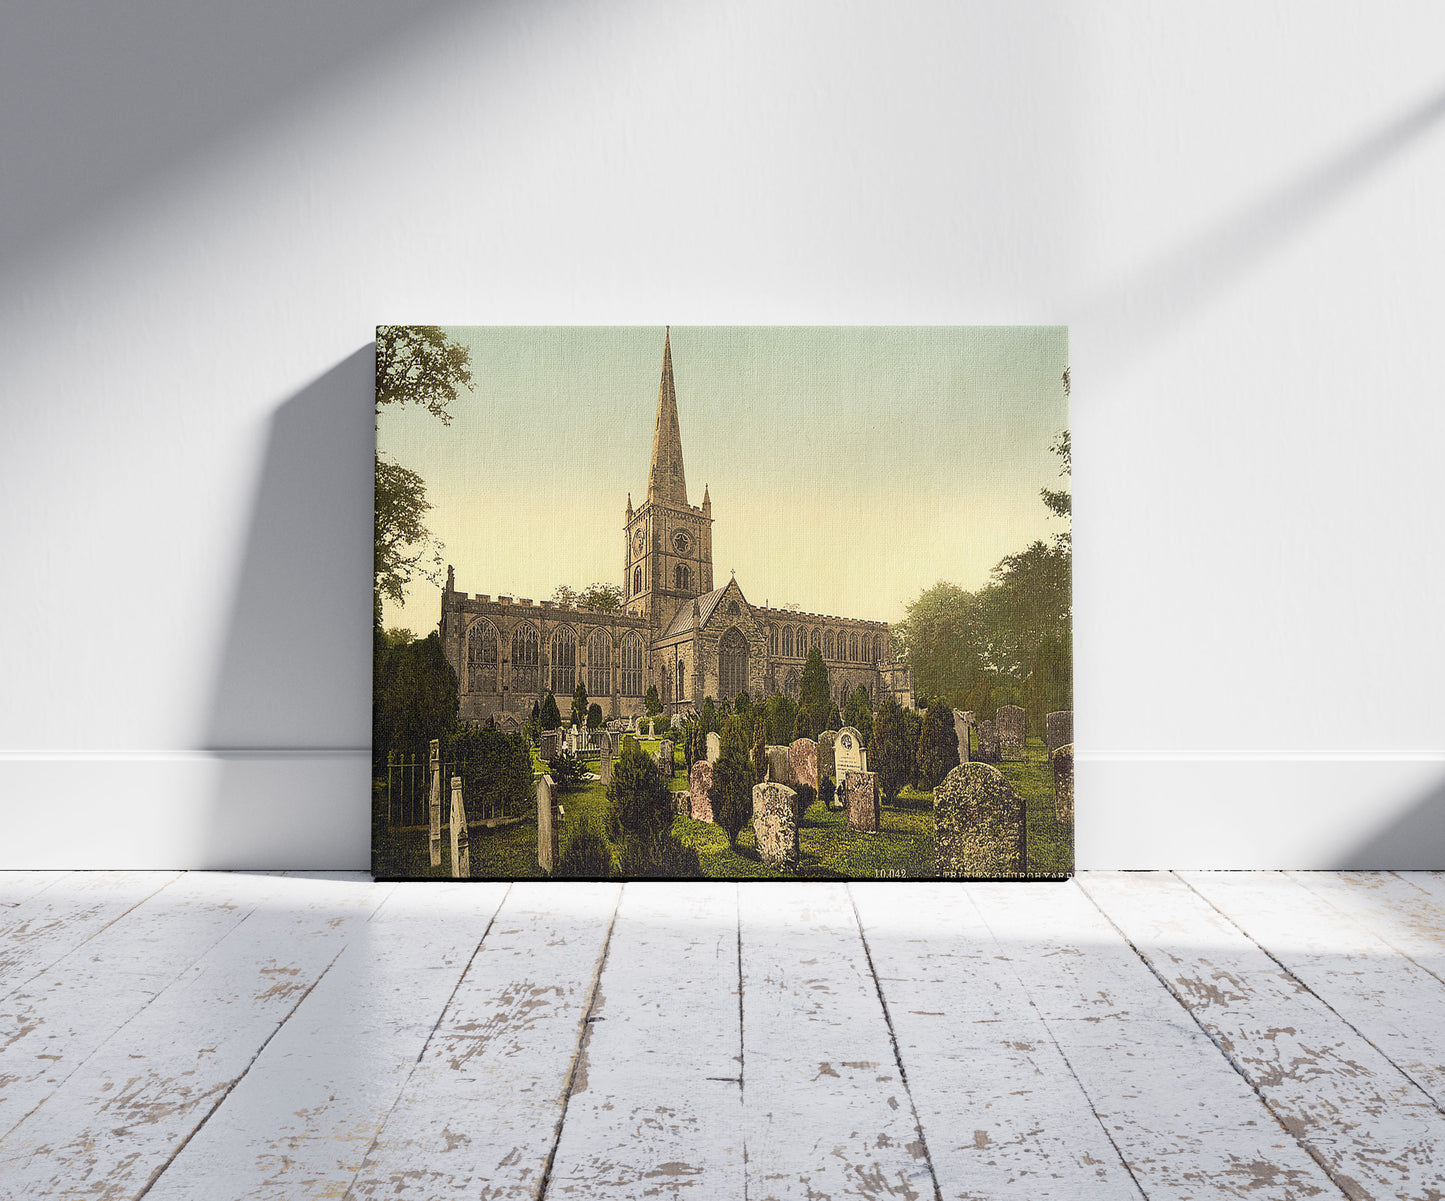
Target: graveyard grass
[902,849]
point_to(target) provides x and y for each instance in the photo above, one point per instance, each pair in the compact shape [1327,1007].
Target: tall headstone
[434,801]
[1059,729]
[714,746]
[860,790]
[848,753]
[605,769]
[775,825]
[960,728]
[629,741]
[699,780]
[987,742]
[1009,721]
[547,834]
[461,838]
[665,762]
[803,763]
[548,745]
[978,824]
[826,766]
[780,765]
[1063,763]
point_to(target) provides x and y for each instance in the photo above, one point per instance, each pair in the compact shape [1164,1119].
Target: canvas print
[722,602]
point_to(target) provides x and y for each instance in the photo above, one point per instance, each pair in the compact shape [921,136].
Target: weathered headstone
[1063,763]
[978,824]
[629,741]
[960,728]
[780,765]
[665,762]
[434,801]
[699,780]
[461,839]
[826,765]
[547,834]
[1059,729]
[848,753]
[803,763]
[605,769]
[547,745]
[987,742]
[861,798]
[714,746]
[1009,721]
[775,825]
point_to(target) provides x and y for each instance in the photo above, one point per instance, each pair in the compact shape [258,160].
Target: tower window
[636,580]
[683,577]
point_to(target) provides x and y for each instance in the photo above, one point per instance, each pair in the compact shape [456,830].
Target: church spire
[665,479]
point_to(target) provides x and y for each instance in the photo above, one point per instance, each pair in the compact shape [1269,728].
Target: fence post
[434,799]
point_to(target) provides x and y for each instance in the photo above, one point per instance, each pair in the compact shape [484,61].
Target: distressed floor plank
[47,925]
[1002,1114]
[1392,1002]
[826,1111]
[1374,1130]
[50,1025]
[656,1108]
[130,1107]
[480,1113]
[16,887]
[1186,1124]
[300,1123]
[1404,909]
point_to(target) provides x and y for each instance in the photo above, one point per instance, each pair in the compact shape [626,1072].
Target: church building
[675,631]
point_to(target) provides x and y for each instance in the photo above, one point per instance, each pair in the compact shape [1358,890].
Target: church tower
[667,557]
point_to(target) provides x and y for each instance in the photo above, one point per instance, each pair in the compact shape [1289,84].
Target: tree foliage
[594,717]
[496,768]
[780,715]
[579,705]
[890,753]
[587,855]
[937,745]
[414,696]
[639,810]
[419,364]
[602,598]
[733,777]
[858,713]
[651,704]
[550,715]
[404,548]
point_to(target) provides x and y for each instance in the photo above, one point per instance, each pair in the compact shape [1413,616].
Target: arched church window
[683,577]
[828,645]
[791,682]
[482,656]
[524,660]
[813,640]
[636,580]
[564,662]
[599,664]
[632,665]
[852,646]
[772,640]
[681,680]
[788,640]
[733,664]
[734,609]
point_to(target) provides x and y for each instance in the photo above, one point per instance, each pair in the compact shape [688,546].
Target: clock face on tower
[680,542]
[640,541]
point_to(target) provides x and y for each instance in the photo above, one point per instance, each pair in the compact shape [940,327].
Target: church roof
[666,481]
[706,606]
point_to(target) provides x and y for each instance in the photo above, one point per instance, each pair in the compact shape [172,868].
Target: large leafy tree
[404,547]
[415,696]
[937,745]
[601,598]
[419,364]
[858,713]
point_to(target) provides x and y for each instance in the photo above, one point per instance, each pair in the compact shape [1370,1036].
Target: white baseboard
[300,809]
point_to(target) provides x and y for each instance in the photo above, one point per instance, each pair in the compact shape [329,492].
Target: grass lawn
[828,850]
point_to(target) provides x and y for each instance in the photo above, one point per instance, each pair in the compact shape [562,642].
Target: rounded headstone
[1059,729]
[860,789]
[978,824]
[714,746]
[847,752]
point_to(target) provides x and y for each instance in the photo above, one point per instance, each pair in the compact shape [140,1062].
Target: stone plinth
[1063,764]
[699,780]
[860,793]
[1059,729]
[1009,721]
[775,827]
[461,838]
[547,832]
[803,763]
[978,824]
[987,742]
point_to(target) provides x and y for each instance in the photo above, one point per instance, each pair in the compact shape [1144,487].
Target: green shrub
[586,855]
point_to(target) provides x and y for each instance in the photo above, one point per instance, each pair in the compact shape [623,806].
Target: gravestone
[714,746]
[848,753]
[461,839]
[987,742]
[629,742]
[780,765]
[547,745]
[775,826]
[978,824]
[803,763]
[861,799]
[1063,763]
[665,762]
[1059,729]
[605,769]
[434,801]
[546,824]
[699,780]
[960,728]
[1009,722]
[826,765]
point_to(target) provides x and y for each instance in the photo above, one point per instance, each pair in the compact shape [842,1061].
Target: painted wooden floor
[1161,1036]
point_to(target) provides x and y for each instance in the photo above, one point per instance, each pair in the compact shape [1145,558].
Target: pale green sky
[850,467]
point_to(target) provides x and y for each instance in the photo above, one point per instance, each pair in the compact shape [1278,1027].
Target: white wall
[205,207]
